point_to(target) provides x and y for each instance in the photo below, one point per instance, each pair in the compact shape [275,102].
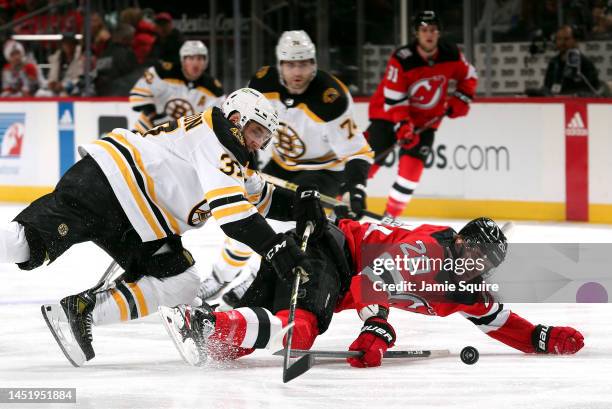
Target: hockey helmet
[426,18]
[193,47]
[252,105]
[295,45]
[485,234]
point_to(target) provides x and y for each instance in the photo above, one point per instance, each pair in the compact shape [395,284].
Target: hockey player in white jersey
[317,143]
[135,196]
[169,91]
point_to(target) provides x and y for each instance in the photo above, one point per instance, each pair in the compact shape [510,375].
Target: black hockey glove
[357,199]
[285,255]
[307,208]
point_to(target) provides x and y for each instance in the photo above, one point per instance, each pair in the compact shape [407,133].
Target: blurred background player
[168,91]
[412,92]
[317,143]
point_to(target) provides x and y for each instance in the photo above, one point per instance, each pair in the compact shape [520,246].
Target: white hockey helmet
[295,45]
[193,47]
[252,105]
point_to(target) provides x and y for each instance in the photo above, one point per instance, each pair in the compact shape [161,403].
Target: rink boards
[543,159]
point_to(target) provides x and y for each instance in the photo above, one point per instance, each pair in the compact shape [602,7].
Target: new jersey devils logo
[12,140]
[427,92]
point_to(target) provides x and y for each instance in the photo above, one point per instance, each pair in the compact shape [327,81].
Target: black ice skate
[189,327]
[70,323]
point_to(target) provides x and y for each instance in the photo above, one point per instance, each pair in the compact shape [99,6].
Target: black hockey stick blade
[427,353]
[298,368]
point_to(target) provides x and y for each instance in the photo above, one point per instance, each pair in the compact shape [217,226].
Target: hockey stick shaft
[427,125]
[417,353]
[103,282]
[328,201]
[299,272]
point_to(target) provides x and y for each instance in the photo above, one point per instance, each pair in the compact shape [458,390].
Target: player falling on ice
[343,258]
[317,143]
[412,93]
[169,91]
[135,197]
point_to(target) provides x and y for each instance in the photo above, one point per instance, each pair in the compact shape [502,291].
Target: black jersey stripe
[225,201]
[263,334]
[130,299]
[402,189]
[486,320]
[237,257]
[141,184]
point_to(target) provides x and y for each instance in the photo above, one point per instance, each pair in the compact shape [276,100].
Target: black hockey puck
[469,355]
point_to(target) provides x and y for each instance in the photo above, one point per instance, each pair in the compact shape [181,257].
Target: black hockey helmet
[426,18]
[487,235]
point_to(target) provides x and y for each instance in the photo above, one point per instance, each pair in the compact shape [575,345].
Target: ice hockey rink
[137,365]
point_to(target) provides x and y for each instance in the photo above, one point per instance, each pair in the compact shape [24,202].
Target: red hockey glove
[458,105]
[376,336]
[556,340]
[404,132]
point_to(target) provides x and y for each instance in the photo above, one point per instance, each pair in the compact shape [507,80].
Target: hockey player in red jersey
[350,266]
[414,91]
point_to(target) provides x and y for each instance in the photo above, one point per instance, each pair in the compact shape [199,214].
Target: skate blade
[58,324]
[187,348]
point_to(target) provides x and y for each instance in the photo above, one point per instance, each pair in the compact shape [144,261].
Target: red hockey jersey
[416,89]
[389,284]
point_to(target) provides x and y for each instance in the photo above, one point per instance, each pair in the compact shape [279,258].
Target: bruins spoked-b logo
[176,108]
[199,214]
[330,95]
[288,142]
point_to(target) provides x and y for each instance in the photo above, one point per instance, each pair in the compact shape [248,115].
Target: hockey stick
[327,201]
[104,281]
[305,362]
[415,353]
[422,129]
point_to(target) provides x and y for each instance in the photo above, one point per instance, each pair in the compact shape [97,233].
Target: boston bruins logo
[199,214]
[288,142]
[330,95]
[176,108]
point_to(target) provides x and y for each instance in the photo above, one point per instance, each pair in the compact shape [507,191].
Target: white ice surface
[137,366]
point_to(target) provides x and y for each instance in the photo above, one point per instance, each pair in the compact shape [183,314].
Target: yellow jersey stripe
[272,95]
[142,304]
[231,262]
[302,106]
[148,178]
[142,91]
[212,194]
[262,206]
[136,193]
[205,91]
[139,99]
[207,115]
[174,81]
[123,311]
[228,211]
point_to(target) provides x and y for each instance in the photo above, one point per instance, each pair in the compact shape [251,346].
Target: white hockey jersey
[175,176]
[317,129]
[164,91]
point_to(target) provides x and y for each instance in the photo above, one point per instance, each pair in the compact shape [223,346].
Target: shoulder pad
[448,51]
[327,96]
[167,69]
[403,53]
[211,84]
[266,79]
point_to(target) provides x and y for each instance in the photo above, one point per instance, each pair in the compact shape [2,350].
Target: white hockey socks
[14,247]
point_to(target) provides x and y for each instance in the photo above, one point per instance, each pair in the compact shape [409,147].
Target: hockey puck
[469,355]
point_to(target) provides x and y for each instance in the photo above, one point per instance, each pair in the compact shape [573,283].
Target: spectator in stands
[570,72]
[20,78]
[144,33]
[100,36]
[168,39]
[505,20]
[66,69]
[117,69]
[602,21]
